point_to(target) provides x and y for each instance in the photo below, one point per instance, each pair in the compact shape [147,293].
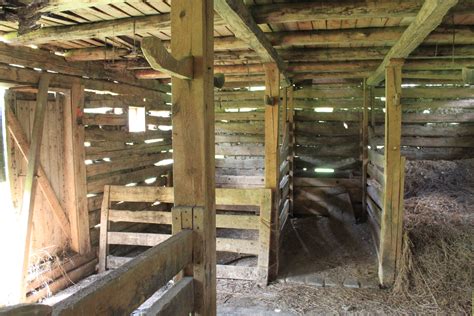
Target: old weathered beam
[160,60]
[75,170]
[392,215]
[429,17]
[321,10]
[68,5]
[242,24]
[40,59]
[95,53]
[100,29]
[193,144]
[342,38]
[272,162]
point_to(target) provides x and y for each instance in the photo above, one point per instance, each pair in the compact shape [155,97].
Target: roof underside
[348,42]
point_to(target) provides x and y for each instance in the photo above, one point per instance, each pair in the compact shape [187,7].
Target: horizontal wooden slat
[323,182]
[375,173]
[136,239]
[166,195]
[237,245]
[336,116]
[236,272]
[374,210]
[376,158]
[178,300]
[126,287]
[459,141]
[237,221]
[149,217]
[375,192]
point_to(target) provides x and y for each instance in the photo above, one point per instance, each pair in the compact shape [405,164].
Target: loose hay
[438,251]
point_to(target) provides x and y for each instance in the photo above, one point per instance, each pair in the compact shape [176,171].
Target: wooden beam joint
[160,59]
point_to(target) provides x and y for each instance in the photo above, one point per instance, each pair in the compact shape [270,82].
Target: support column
[272,164]
[392,214]
[193,142]
[75,170]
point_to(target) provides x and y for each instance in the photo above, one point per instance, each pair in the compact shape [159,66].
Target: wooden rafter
[241,22]
[429,17]
[68,5]
[342,38]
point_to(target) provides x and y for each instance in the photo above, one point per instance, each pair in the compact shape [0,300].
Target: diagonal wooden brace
[159,59]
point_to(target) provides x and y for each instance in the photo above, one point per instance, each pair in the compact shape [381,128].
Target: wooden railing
[124,289]
[229,197]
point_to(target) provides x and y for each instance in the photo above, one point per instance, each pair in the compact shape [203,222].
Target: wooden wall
[47,237]
[116,156]
[239,138]
[328,140]
[438,122]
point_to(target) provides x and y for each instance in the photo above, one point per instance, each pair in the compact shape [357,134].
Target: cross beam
[428,18]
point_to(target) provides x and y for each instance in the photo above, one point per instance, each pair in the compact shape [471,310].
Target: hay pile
[438,253]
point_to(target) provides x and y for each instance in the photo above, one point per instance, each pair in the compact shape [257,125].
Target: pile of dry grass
[438,252]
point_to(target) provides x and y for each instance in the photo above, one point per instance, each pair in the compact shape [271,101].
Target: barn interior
[238,157]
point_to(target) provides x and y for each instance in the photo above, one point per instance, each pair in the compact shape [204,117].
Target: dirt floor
[436,276]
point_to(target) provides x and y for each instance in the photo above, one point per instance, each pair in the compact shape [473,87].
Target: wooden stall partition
[260,222]
[239,130]
[327,164]
[437,121]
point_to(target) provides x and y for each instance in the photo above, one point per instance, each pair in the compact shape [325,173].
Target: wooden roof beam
[242,24]
[429,17]
[68,5]
[327,10]
[91,30]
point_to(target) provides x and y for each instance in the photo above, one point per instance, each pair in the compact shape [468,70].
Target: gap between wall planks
[272,153]
[193,140]
[392,215]
[30,184]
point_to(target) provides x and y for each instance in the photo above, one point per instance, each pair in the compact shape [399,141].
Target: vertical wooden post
[75,170]
[30,184]
[364,144]
[291,123]
[193,141]
[272,164]
[392,215]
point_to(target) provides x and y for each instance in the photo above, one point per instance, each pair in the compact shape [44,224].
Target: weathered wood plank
[236,272]
[178,300]
[75,170]
[30,183]
[390,220]
[124,289]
